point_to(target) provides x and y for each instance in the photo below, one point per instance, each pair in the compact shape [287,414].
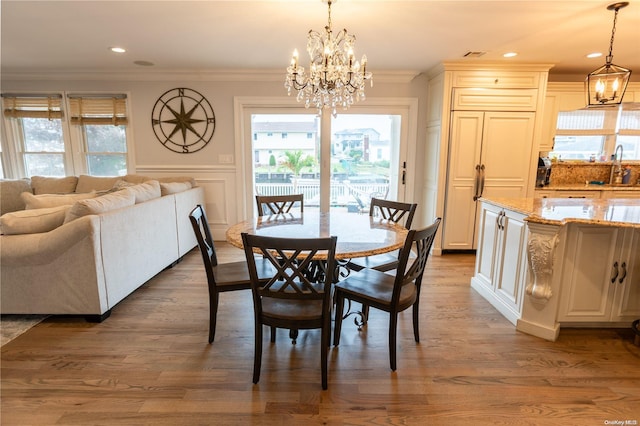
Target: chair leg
[338,318]
[273,334]
[416,329]
[213,313]
[393,326]
[324,354]
[257,357]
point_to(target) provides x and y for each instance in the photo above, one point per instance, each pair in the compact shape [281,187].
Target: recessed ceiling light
[510,54]
[594,55]
[116,49]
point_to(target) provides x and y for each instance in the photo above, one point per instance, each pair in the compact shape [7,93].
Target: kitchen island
[547,263]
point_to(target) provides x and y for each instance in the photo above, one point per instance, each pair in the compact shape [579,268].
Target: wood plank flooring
[150,363]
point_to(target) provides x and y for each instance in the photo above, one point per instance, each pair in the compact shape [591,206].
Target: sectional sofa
[79,245]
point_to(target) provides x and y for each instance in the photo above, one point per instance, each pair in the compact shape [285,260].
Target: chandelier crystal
[607,84]
[335,79]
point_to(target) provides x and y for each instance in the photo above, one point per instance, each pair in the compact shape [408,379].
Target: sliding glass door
[335,162]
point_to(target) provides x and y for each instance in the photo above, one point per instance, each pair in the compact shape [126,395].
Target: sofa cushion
[33,221]
[88,183]
[113,201]
[53,185]
[167,188]
[52,200]
[171,179]
[136,179]
[146,191]
[10,190]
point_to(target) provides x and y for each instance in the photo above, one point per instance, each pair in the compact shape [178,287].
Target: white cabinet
[601,276]
[559,97]
[620,194]
[488,113]
[501,266]
[490,155]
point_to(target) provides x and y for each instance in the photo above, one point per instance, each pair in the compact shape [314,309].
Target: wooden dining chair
[392,294]
[221,277]
[393,211]
[298,295]
[275,204]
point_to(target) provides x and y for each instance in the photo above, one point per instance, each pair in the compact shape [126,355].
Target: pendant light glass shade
[606,85]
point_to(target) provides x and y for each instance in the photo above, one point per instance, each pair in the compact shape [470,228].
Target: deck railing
[342,193]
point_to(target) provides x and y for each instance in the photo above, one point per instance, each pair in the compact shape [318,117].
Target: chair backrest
[423,241]
[394,211]
[276,204]
[297,274]
[201,229]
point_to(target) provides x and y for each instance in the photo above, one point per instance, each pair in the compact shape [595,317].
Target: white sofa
[87,265]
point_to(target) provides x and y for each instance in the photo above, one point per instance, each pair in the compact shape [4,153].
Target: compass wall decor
[183,120]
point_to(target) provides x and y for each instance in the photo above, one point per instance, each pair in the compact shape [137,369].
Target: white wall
[222,192]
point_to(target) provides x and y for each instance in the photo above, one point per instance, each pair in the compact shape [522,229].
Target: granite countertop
[621,212]
[583,187]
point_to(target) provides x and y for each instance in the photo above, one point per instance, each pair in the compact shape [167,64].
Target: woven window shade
[98,110]
[16,106]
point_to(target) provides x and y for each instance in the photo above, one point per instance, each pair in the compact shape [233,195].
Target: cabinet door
[507,141]
[586,278]
[511,266]
[464,156]
[626,303]
[488,245]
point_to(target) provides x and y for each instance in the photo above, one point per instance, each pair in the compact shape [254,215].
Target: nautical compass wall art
[183,120]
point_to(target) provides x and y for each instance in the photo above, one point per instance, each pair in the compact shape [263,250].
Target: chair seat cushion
[374,287]
[235,275]
[290,309]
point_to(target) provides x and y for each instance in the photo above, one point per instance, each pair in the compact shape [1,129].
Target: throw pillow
[146,191]
[33,221]
[51,185]
[52,200]
[115,200]
[167,188]
[88,183]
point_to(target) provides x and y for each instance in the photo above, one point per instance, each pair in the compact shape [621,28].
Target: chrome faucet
[616,166]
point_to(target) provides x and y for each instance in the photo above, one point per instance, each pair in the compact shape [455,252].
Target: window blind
[587,122]
[98,110]
[32,106]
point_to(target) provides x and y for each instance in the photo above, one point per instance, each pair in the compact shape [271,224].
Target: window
[595,133]
[35,126]
[46,137]
[102,121]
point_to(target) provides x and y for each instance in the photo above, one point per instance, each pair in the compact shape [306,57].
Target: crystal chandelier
[334,78]
[607,84]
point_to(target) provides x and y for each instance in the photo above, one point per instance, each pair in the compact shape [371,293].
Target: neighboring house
[366,140]
[274,138]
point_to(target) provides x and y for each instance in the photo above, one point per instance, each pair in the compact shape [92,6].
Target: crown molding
[255,75]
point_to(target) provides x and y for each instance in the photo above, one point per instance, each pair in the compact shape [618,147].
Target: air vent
[474,54]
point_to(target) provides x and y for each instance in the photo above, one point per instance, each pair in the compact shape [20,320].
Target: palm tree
[295,162]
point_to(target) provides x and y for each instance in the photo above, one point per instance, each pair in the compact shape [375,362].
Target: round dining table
[359,235]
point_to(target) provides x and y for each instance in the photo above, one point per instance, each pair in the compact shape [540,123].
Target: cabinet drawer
[566,194]
[496,80]
[494,99]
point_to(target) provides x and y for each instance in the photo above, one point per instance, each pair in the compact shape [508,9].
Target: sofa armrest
[43,248]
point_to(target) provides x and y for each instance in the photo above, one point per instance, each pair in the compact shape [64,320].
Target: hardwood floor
[150,363]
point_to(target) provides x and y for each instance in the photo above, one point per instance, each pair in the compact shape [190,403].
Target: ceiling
[412,35]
